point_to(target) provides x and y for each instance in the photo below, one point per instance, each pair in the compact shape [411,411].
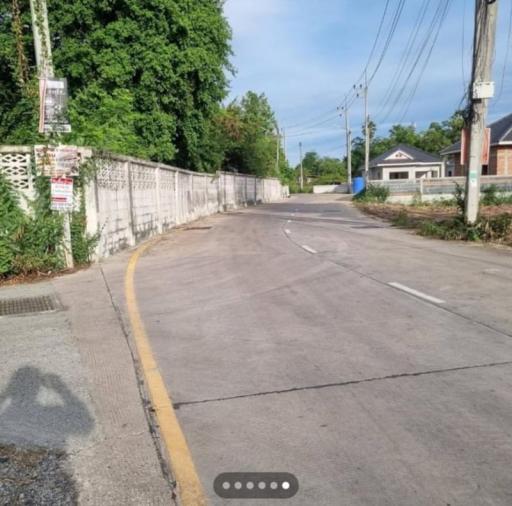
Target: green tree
[323,169]
[247,137]
[146,77]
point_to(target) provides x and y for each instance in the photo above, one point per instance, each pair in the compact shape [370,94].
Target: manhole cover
[26,305]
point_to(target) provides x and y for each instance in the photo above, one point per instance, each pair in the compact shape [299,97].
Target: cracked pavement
[285,348]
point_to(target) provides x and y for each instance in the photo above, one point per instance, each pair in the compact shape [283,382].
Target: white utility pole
[43,50]
[482,89]
[41,31]
[349,147]
[278,149]
[366,131]
[301,168]
[364,91]
[284,144]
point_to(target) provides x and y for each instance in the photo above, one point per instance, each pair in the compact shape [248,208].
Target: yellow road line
[190,490]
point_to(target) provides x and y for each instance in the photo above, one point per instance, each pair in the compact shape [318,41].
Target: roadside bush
[445,202]
[295,187]
[492,197]
[11,222]
[495,228]
[402,220]
[459,196]
[31,243]
[373,194]
[82,243]
[39,238]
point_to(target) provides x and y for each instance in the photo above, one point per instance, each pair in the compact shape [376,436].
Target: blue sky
[306,54]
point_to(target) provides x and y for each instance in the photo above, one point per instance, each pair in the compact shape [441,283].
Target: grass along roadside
[444,221]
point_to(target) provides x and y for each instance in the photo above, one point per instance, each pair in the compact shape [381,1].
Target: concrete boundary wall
[130,200]
[331,188]
[441,186]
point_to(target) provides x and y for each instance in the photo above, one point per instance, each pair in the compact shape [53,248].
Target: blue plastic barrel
[357,185]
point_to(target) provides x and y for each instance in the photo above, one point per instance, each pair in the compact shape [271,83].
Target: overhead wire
[419,54]
[505,61]
[411,96]
[406,56]
[370,57]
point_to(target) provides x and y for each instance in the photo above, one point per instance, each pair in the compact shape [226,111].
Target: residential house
[405,162]
[500,160]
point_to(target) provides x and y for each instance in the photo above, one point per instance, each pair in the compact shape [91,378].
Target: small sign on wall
[57,161]
[62,194]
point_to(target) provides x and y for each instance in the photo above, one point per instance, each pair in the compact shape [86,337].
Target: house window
[398,175]
[485,170]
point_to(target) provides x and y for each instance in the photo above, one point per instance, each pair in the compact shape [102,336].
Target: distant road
[303,337]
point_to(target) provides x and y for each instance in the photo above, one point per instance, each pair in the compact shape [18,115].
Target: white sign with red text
[62,194]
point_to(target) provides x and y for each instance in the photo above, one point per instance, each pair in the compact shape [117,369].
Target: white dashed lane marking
[416,293]
[309,250]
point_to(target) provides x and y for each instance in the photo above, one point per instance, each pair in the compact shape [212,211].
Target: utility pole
[41,31]
[43,50]
[349,147]
[480,92]
[301,168]
[366,131]
[284,144]
[364,91]
[278,149]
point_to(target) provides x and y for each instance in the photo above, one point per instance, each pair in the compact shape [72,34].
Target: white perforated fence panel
[16,166]
[113,207]
[167,188]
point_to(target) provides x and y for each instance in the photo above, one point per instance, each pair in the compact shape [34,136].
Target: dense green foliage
[28,242]
[324,170]
[245,139]
[32,242]
[486,229]
[492,197]
[146,77]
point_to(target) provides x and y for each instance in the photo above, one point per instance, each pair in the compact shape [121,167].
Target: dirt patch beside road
[435,213]
[35,476]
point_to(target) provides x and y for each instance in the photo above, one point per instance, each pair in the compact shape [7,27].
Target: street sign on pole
[465,144]
[53,108]
[62,194]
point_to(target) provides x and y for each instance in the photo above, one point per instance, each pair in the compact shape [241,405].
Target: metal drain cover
[197,228]
[27,305]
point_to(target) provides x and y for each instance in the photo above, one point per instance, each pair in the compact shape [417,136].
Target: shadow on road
[38,413]
[39,409]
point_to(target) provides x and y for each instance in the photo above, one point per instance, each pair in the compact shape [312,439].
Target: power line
[310,127]
[394,25]
[370,57]
[436,20]
[406,55]
[507,51]
[427,60]
[463,46]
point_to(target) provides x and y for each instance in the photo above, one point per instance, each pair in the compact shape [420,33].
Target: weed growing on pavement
[373,194]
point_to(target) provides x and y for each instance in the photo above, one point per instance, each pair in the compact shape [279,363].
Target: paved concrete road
[304,337]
